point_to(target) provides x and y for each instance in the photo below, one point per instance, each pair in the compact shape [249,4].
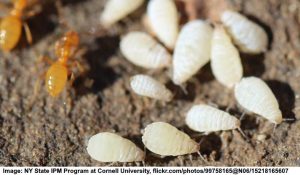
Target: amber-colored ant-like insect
[66,48]
[11,26]
[57,74]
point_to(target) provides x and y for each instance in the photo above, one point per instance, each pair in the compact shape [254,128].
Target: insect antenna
[243,134]
[199,153]
[201,156]
[288,119]
[275,126]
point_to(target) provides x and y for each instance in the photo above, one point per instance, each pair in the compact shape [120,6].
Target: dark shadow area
[265,27]
[205,74]
[211,144]
[208,143]
[40,25]
[71,2]
[179,93]
[249,122]
[101,74]
[253,65]
[285,97]
[1,121]
[182,11]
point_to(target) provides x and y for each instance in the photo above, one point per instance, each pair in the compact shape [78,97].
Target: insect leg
[199,153]
[243,134]
[27,33]
[242,116]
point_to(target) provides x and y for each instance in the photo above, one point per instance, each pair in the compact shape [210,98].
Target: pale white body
[192,50]
[254,95]
[164,139]
[163,18]
[204,118]
[109,147]
[142,50]
[248,36]
[225,59]
[116,10]
[145,85]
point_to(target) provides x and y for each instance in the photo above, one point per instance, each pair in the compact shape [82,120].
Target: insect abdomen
[142,50]
[109,147]
[147,86]
[192,50]
[204,118]
[164,139]
[56,79]
[10,32]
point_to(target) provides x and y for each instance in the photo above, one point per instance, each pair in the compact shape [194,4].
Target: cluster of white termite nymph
[159,137]
[193,45]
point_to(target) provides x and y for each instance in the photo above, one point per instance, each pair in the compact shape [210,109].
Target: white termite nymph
[204,118]
[109,147]
[166,140]
[192,50]
[254,95]
[225,59]
[248,36]
[116,10]
[147,86]
[163,18]
[142,50]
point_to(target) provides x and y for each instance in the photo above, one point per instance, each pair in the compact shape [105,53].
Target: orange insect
[57,74]
[11,27]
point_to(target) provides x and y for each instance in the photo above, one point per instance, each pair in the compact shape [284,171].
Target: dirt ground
[54,132]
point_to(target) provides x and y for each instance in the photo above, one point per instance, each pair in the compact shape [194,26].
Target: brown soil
[54,133]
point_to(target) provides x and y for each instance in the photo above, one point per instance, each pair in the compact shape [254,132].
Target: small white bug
[225,59]
[166,140]
[163,18]
[192,50]
[116,10]
[147,86]
[109,147]
[254,95]
[248,36]
[142,50]
[204,118]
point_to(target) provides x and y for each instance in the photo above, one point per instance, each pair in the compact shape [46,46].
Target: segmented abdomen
[56,79]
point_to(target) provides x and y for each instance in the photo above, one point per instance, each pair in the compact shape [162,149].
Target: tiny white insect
[204,118]
[192,50]
[142,50]
[166,140]
[116,10]
[147,86]
[248,36]
[254,95]
[109,147]
[225,59]
[163,18]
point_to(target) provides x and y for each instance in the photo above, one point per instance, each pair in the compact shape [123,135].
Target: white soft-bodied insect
[248,36]
[254,95]
[225,59]
[166,140]
[116,10]
[109,147]
[192,50]
[147,86]
[142,50]
[164,21]
[204,118]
